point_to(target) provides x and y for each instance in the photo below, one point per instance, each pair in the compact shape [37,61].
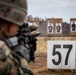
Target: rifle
[26,37]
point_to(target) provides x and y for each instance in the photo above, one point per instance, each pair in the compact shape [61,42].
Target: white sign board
[73,26]
[50,28]
[58,28]
[61,54]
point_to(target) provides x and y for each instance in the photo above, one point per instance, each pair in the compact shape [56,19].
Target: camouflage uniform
[11,63]
[14,11]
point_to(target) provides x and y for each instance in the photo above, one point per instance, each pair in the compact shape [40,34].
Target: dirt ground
[40,65]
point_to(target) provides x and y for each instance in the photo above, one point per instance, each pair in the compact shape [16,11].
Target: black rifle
[26,38]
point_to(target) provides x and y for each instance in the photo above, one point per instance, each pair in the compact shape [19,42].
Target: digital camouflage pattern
[12,64]
[7,62]
[13,10]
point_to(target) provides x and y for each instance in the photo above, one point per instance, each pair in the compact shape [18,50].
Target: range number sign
[61,54]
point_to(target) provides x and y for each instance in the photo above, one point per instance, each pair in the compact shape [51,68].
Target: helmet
[14,11]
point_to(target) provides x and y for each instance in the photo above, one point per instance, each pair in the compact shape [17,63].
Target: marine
[12,15]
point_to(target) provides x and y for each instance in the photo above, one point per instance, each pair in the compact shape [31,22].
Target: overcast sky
[65,9]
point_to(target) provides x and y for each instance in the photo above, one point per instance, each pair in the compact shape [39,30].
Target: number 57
[59,54]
